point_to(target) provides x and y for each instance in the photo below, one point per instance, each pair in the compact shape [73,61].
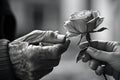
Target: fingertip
[63,47]
[57,32]
[66,44]
[61,37]
[90,50]
[68,41]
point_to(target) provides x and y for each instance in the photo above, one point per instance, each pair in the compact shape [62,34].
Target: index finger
[37,36]
[101,45]
[53,37]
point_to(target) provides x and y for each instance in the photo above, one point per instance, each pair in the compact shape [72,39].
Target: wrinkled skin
[107,52]
[37,53]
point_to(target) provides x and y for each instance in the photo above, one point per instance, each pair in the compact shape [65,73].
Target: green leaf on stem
[92,23]
[88,38]
[82,35]
[79,57]
[101,29]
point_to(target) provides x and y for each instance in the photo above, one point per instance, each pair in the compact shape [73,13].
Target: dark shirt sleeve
[6,72]
[7,21]
[4,7]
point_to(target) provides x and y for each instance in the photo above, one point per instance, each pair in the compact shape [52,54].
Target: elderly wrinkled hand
[108,52]
[35,54]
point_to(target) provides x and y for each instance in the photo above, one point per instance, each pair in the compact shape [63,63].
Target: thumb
[58,49]
[37,36]
[99,54]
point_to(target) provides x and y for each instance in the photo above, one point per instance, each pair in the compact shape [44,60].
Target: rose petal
[95,13]
[69,26]
[99,21]
[80,25]
[71,31]
[91,25]
[93,20]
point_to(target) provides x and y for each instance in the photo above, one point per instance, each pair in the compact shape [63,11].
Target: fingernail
[56,31]
[61,37]
[90,50]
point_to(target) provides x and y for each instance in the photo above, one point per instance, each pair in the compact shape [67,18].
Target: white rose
[82,22]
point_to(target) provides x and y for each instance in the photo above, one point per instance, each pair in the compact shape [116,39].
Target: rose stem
[96,62]
[88,38]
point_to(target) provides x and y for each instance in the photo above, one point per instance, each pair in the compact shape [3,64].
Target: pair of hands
[107,52]
[37,53]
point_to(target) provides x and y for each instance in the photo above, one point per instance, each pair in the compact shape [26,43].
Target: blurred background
[51,14]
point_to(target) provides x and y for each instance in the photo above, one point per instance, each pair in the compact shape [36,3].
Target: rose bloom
[82,22]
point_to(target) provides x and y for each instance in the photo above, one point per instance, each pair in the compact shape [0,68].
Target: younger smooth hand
[108,52]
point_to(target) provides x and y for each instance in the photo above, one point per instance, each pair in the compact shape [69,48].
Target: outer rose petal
[80,25]
[91,25]
[70,27]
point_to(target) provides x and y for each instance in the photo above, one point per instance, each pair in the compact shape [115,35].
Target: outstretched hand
[37,53]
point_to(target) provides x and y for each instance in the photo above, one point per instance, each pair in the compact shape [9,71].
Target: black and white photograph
[59,39]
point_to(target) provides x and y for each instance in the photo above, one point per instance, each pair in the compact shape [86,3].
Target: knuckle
[52,34]
[117,43]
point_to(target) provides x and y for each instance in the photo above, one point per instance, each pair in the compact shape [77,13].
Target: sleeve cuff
[6,72]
